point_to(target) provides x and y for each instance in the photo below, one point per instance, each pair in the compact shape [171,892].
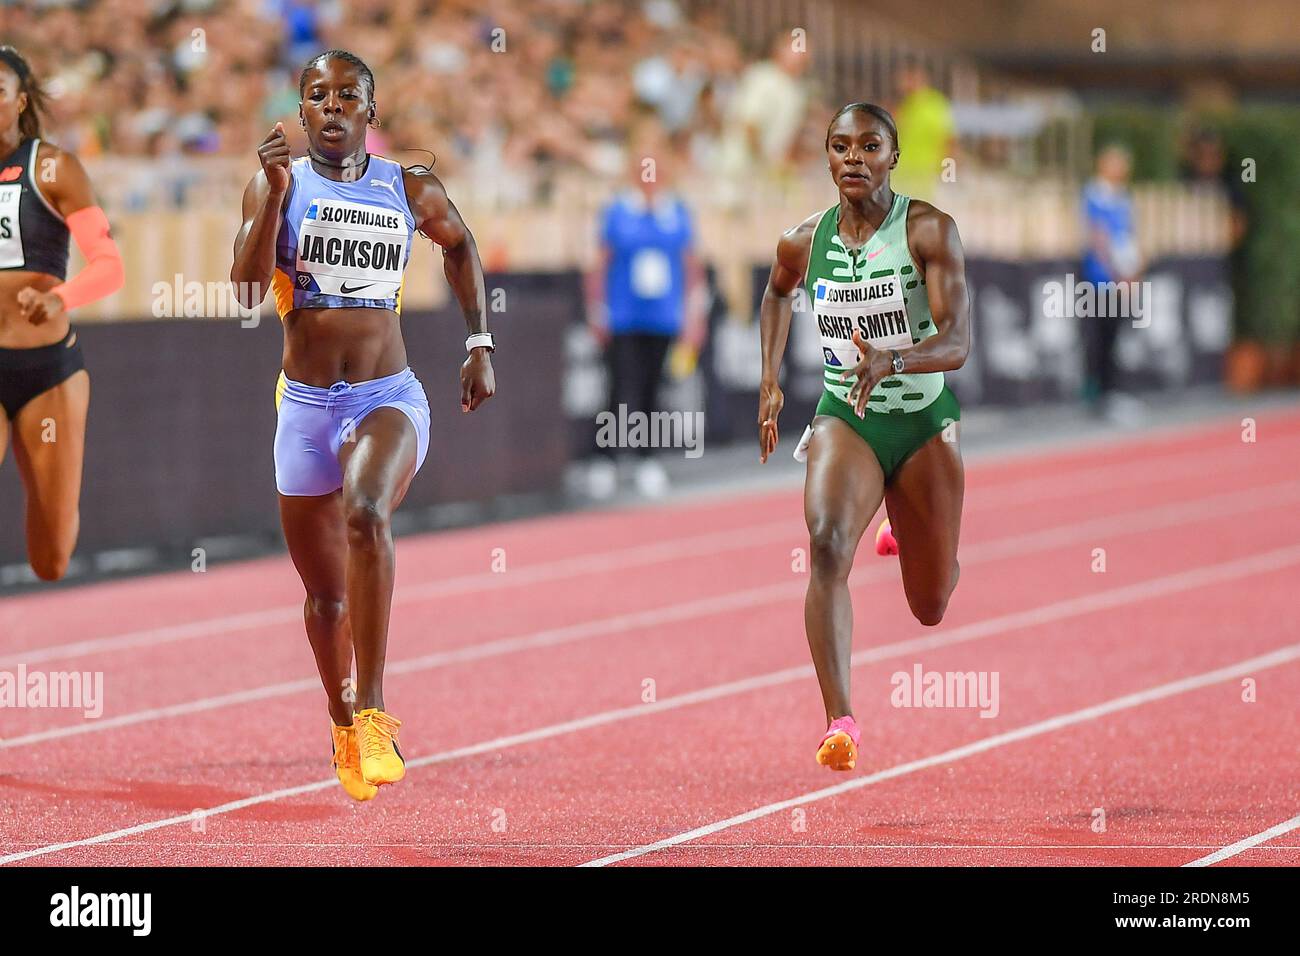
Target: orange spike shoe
[347,764]
[381,761]
[839,748]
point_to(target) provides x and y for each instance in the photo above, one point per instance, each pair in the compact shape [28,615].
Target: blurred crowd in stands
[506,91]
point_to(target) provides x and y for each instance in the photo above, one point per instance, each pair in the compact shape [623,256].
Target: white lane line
[551,637]
[1017,493]
[1144,519]
[229,623]
[623,558]
[1208,509]
[1248,843]
[1097,478]
[1049,612]
[154,846]
[1284,655]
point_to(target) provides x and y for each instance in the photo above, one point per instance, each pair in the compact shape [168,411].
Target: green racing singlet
[878,290]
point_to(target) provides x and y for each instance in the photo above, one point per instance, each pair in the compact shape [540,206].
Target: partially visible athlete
[331,234]
[45,196]
[886,282]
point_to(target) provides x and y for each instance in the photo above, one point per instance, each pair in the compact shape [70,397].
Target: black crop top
[33,237]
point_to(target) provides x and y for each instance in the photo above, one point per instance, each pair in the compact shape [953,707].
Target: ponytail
[29,120]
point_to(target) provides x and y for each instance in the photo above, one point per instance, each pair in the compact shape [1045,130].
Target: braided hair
[879,112]
[367,80]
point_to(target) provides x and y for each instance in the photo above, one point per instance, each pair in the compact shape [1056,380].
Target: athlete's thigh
[49,438]
[844,483]
[924,503]
[318,542]
[4,435]
[379,460]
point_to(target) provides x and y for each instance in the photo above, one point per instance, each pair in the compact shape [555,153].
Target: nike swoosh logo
[872,255]
[346,291]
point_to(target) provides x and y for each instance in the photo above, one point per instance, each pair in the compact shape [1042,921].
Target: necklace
[353,170]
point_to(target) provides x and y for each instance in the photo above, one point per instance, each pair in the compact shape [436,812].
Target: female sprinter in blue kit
[331,234]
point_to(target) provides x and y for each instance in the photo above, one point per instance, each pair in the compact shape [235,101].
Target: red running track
[1122,733]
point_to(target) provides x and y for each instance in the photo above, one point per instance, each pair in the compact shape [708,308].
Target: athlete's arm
[933,240]
[254,264]
[774,327]
[68,190]
[437,217]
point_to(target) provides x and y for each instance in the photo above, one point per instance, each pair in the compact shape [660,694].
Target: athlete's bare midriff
[15,331]
[324,346]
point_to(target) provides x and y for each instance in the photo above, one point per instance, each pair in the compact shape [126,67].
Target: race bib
[352,250]
[652,275]
[1126,258]
[873,307]
[11,234]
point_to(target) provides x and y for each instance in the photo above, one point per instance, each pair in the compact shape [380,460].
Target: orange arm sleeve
[103,274]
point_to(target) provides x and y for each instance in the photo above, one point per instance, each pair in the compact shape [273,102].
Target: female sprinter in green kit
[885,278]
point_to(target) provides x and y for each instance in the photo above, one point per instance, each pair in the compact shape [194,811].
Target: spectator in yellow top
[926,128]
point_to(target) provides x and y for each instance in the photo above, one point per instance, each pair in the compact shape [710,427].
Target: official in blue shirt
[645,293]
[1111,256]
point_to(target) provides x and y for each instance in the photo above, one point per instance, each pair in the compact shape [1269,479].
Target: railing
[170,251]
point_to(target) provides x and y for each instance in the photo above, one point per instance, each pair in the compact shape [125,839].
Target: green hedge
[1150,134]
[1266,268]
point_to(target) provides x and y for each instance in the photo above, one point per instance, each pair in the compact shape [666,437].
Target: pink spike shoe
[886,543]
